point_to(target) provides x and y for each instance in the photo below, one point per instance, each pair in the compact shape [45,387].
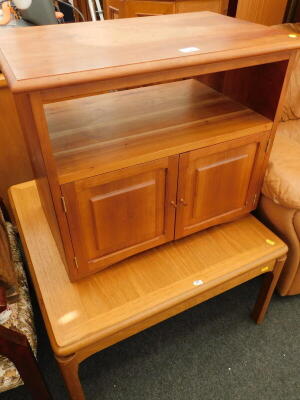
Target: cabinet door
[115,215]
[219,183]
[139,8]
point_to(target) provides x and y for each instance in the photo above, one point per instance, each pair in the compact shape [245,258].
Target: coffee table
[87,316]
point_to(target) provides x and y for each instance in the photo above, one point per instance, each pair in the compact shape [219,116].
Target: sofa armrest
[282,179]
[285,222]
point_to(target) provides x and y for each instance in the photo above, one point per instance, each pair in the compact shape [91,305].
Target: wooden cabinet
[143,8]
[151,134]
[114,215]
[218,183]
[134,204]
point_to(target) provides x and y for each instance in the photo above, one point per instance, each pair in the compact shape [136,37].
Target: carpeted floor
[211,352]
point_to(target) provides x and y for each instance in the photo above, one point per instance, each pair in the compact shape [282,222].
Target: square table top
[142,288]
[42,57]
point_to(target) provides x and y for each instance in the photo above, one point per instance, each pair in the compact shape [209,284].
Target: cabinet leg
[69,369]
[266,291]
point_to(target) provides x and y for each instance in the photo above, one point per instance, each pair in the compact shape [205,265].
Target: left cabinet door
[117,214]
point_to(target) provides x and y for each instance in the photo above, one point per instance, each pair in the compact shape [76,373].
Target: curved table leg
[267,290]
[69,369]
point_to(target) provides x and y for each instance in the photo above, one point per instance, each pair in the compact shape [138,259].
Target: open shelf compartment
[102,133]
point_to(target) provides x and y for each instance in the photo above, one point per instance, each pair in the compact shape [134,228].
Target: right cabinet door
[219,183]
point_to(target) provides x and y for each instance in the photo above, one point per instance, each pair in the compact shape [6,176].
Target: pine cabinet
[146,130]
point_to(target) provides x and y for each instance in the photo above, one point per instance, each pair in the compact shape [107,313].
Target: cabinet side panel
[15,166]
[33,141]
[257,87]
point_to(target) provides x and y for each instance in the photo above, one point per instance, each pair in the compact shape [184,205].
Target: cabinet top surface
[91,309]
[57,55]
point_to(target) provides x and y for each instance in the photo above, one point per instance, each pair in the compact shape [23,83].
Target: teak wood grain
[132,286]
[42,64]
[141,125]
[126,82]
[115,215]
[15,166]
[34,127]
[218,183]
[87,316]
[78,139]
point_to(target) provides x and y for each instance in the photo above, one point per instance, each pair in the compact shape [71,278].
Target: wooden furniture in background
[87,316]
[267,12]
[15,346]
[82,5]
[15,166]
[114,9]
[109,161]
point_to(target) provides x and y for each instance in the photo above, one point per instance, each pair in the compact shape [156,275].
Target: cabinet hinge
[64,204]
[269,144]
[76,262]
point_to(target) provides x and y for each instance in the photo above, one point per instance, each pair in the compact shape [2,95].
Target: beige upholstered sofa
[279,205]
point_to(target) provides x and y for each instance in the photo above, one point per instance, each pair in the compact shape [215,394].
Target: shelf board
[111,131]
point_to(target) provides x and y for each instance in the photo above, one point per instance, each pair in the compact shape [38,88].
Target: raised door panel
[218,183]
[148,8]
[115,215]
